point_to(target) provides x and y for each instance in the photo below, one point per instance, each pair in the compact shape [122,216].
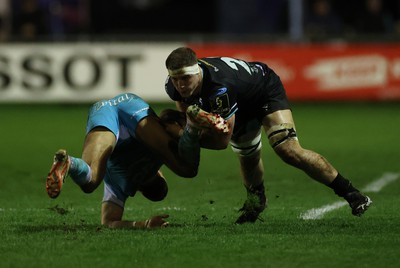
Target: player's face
[187,85]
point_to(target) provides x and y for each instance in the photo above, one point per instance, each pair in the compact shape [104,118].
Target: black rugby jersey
[229,86]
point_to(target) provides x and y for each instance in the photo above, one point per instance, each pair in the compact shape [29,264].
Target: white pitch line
[377,185]
[318,213]
[373,187]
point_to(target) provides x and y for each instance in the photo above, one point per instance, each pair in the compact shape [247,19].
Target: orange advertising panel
[324,72]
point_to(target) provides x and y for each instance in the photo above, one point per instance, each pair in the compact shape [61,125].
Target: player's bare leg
[252,170]
[283,139]
[247,146]
[87,171]
[315,165]
[98,146]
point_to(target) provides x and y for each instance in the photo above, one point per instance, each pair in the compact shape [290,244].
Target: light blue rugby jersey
[120,114]
[131,162]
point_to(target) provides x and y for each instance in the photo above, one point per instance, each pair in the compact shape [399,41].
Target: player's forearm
[125,224]
[129,224]
[214,141]
[189,148]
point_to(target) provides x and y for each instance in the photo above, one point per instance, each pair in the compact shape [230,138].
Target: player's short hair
[181,57]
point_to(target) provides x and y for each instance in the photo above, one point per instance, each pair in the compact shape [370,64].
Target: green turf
[360,139]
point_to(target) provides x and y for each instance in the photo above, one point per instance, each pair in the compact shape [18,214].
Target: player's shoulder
[223,66]
[211,62]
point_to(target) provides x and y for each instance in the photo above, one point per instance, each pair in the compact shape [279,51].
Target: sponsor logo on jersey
[220,104]
[115,101]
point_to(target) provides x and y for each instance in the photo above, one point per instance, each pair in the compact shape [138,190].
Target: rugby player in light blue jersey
[125,145]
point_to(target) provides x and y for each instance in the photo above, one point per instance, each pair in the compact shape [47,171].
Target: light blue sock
[79,171]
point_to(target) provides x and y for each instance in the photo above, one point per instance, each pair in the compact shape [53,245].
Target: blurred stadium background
[85,50]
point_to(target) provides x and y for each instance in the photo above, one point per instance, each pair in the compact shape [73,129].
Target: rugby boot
[58,173]
[255,204]
[203,119]
[358,202]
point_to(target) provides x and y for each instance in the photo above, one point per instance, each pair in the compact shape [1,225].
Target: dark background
[55,20]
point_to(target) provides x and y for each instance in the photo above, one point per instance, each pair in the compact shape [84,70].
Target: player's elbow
[189,172]
[215,146]
[221,146]
[215,142]
[185,169]
[224,143]
[191,175]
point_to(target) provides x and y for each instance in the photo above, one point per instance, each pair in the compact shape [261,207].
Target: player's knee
[156,190]
[88,188]
[106,223]
[279,134]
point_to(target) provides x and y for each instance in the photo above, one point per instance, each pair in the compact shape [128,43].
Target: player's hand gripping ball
[174,121]
[173,116]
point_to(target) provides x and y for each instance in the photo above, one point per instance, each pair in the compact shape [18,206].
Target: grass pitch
[360,139]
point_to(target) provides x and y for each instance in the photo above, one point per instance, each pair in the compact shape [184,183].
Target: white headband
[188,70]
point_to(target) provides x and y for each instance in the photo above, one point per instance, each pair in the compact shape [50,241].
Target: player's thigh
[280,128]
[277,118]
[98,147]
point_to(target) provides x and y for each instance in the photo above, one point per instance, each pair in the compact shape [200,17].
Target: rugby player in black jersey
[249,96]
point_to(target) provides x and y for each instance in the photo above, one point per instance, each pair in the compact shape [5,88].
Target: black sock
[342,186]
